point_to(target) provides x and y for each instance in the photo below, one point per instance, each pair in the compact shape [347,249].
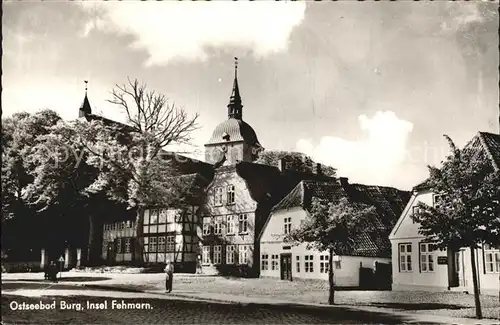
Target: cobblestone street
[171,311]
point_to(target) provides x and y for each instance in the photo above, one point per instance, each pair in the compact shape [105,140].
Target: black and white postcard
[250,162]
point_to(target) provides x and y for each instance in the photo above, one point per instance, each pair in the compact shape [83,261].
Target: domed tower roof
[234,130]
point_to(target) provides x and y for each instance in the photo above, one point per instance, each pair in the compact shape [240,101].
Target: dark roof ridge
[379,186]
[481,137]
[487,148]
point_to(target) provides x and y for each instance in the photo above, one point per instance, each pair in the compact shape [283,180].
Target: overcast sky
[367,87]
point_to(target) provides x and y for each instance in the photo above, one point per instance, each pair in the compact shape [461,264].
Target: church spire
[235,108]
[85,108]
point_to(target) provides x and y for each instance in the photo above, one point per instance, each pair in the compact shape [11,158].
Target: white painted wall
[437,280]
[406,231]
[271,243]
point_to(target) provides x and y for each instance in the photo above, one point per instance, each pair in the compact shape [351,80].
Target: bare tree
[136,165]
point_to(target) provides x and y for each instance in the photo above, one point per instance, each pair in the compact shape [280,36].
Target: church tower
[85,109]
[233,140]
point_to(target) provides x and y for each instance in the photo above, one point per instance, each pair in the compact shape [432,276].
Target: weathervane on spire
[235,67]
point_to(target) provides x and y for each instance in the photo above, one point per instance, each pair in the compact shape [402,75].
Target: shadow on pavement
[9,286]
[190,312]
[66,279]
[416,306]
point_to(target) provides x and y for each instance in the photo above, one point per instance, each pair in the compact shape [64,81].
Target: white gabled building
[417,266]
[354,268]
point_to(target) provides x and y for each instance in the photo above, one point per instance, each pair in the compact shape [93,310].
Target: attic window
[225,136]
[437,199]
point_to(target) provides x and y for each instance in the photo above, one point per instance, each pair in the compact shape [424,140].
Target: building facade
[417,265]
[285,261]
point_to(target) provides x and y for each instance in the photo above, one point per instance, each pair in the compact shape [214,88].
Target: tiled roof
[190,187]
[491,145]
[483,142]
[108,122]
[388,202]
[270,179]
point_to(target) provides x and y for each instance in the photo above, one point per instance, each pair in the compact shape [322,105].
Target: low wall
[15,267]
[469,290]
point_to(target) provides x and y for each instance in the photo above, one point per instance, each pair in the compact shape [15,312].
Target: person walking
[169,270]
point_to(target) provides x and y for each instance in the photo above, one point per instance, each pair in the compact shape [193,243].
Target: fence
[377,278]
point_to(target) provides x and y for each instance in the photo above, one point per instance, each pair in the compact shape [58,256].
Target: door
[286,267]
[459,267]
[111,253]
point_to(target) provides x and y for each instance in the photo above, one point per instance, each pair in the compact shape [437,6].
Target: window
[338,265]
[153,216]
[171,216]
[207,227]
[218,226]
[309,263]
[491,259]
[265,262]
[230,194]
[217,254]
[274,262]
[405,258]
[426,257]
[218,196]
[118,246]
[323,264]
[230,254]
[288,225]
[152,244]
[298,263]
[104,246]
[161,244]
[437,199]
[162,216]
[243,254]
[243,225]
[170,247]
[230,225]
[415,209]
[206,255]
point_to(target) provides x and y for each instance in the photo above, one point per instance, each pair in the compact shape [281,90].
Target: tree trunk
[139,242]
[331,295]
[474,281]
[93,245]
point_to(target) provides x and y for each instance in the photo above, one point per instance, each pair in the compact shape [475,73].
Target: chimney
[318,169]
[343,181]
[281,164]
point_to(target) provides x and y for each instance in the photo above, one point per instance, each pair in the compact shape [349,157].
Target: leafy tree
[296,160]
[333,227]
[19,136]
[60,179]
[134,166]
[468,214]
